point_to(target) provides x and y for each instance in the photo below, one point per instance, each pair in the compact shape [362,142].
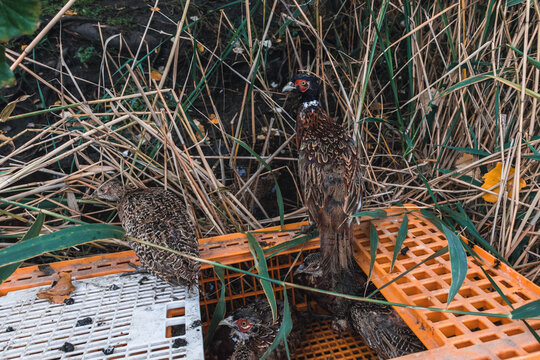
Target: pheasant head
[306,85]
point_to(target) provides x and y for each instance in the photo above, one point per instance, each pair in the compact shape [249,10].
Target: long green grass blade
[401,235]
[219,311]
[526,311]
[463,219]
[373,243]
[59,240]
[284,329]
[467,150]
[516,86]
[458,257]
[307,288]
[260,265]
[532,61]
[467,82]
[279,248]
[33,232]
[375,214]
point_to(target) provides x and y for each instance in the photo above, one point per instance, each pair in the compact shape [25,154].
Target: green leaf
[463,219]
[284,329]
[536,155]
[458,258]
[467,150]
[401,235]
[526,311]
[375,214]
[18,17]
[513,2]
[260,265]
[374,242]
[516,86]
[265,164]
[59,240]
[467,82]
[458,262]
[533,62]
[298,240]
[34,230]
[219,311]
[6,76]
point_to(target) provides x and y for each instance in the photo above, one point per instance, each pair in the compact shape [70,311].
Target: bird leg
[138,270]
[308,229]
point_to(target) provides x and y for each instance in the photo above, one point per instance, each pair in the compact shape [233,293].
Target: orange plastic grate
[321,342]
[462,336]
[448,336]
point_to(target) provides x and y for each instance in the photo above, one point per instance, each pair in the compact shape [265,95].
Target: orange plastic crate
[447,336]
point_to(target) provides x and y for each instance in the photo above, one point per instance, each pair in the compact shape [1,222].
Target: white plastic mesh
[128,313]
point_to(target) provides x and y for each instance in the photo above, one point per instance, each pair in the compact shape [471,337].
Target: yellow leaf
[69,12]
[493,178]
[60,291]
[154,8]
[155,75]
[213,119]
[23,47]
[201,129]
[200,47]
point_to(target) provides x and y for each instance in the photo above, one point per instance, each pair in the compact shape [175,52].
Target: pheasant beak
[300,269]
[227,322]
[289,87]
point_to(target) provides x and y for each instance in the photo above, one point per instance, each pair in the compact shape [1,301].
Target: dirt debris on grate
[130,322]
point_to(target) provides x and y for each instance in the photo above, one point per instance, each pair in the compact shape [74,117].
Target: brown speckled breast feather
[331,179]
[158,216]
[384,331]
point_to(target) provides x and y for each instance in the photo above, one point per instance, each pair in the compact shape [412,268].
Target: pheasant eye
[243,325]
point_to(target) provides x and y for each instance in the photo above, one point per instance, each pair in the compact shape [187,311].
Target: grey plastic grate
[128,313]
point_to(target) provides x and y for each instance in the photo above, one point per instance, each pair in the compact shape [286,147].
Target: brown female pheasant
[157,216]
[379,325]
[330,174]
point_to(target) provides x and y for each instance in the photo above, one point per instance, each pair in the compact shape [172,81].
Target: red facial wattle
[243,325]
[301,85]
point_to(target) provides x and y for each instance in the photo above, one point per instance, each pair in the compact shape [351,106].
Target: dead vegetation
[437,92]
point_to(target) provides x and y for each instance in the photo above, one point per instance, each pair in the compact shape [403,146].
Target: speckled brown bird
[330,174]
[158,216]
[380,326]
[312,273]
[248,333]
[383,330]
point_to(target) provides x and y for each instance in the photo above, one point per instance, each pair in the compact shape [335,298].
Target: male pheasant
[157,216]
[330,174]
[249,332]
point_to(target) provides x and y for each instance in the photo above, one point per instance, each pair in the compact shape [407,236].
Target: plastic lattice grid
[321,342]
[133,314]
[462,336]
[448,336]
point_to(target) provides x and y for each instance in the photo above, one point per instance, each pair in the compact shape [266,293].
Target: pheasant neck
[308,103]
